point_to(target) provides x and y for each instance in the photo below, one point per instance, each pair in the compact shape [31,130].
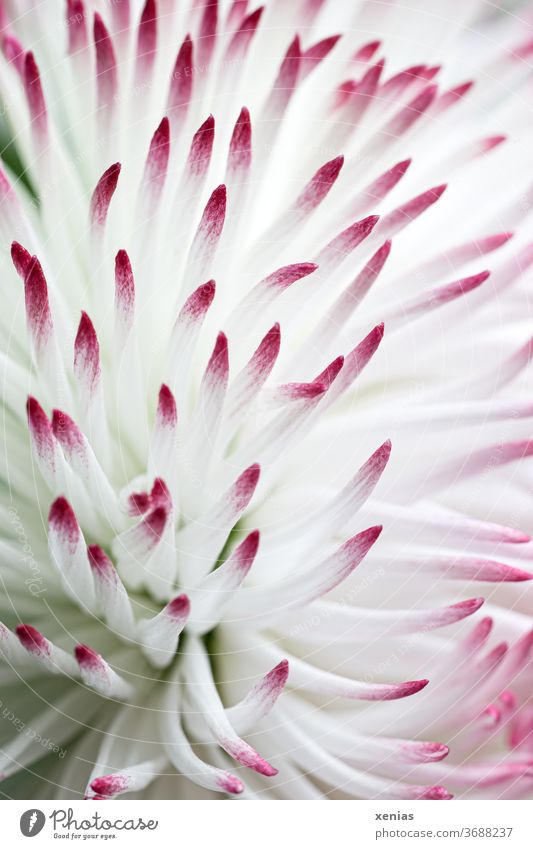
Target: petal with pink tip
[106,67]
[124,293]
[200,541]
[314,55]
[69,553]
[241,39]
[146,40]
[111,595]
[43,444]
[182,756]
[200,150]
[203,694]
[76,25]
[213,593]
[130,780]
[240,147]
[99,676]
[159,636]
[249,382]
[266,602]
[260,700]
[52,658]
[181,84]
[87,356]
[207,34]
[206,239]
[102,196]
[155,169]
[35,97]
[309,678]
[398,219]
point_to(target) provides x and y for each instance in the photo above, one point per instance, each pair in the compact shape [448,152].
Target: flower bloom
[247,252]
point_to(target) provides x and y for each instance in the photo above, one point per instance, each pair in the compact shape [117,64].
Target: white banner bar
[276,825]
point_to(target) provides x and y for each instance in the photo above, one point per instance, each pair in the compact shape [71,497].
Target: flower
[198,595]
